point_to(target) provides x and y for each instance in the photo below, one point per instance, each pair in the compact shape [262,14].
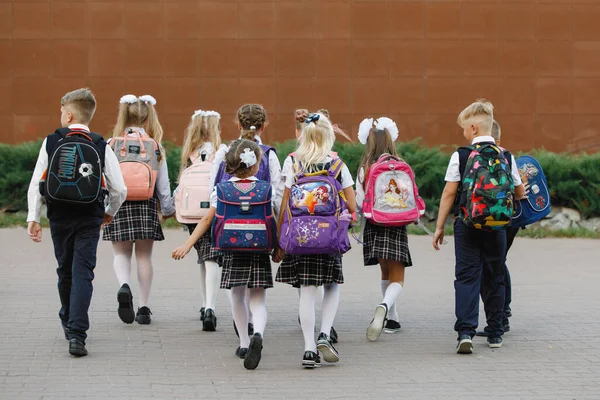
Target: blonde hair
[496,131]
[316,141]
[480,113]
[139,113]
[81,103]
[251,116]
[202,129]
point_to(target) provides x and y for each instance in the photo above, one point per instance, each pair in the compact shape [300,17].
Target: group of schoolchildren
[242,211]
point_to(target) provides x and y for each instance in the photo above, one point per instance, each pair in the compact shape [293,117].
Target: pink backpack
[139,161]
[192,199]
[391,195]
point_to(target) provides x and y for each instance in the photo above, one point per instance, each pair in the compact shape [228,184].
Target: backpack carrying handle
[85,135]
[139,138]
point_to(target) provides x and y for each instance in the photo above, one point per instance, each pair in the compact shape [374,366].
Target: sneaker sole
[465,347]
[310,364]
[143,319]
[329,353]
[78,352]
[125,310]
[494,345]
[388,330]
[254,355]
[376,326]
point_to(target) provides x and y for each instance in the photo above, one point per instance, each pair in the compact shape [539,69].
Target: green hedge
[574,180]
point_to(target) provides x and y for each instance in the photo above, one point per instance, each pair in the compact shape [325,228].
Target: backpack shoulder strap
[335,168]
[463,156]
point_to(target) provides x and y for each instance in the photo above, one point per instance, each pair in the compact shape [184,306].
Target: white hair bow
[148,99]
[248,157]
[200,113]
[385,123]
[128,99]
[364,129]
[212,114]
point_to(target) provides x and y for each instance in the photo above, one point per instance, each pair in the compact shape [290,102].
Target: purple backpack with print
[316,220]
[263,174]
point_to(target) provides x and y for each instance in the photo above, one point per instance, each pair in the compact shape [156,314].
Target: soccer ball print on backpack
[317,220]
[486,198]
[537,205]
[75,171]
[192,198]
[138,157]
[391,196]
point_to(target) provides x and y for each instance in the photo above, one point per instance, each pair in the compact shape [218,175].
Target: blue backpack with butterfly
[537,205]
[244,219]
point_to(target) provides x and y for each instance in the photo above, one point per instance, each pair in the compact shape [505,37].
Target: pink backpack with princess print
[391,194]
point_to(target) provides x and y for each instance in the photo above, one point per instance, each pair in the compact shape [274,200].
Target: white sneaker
[376,325]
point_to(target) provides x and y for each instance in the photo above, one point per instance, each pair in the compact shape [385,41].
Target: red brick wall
[419,62]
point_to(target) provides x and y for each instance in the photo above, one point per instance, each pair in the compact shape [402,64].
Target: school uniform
[75,231]
[251,269]
[138,220]
[382,242]
[480,257]
[312,270]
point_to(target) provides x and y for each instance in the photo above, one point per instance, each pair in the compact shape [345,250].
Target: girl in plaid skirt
[246,274]
[136,224]
[309,272]
[386,246]
[202,139]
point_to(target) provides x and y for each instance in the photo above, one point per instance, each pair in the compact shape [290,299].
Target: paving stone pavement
[552,351]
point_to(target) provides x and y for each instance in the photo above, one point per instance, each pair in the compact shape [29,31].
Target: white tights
[308,296]
[210,279]
[257,302]
[143,257]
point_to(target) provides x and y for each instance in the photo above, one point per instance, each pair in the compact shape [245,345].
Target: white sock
[391,294]
[239,309]
[331,300]
[308,296]
[212,283]
[122,261]
[250,316]
[258,305]
[202,284]
[392,310]
[145,273]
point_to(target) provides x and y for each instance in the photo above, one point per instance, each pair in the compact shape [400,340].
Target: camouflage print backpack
[486,192]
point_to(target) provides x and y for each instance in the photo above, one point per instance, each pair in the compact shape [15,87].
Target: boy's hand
[438,238]
[180,252]
[34,229]
[166,217]
[107,219]
[527,190]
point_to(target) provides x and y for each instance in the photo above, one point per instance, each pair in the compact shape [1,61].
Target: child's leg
[258,306]
[331,300]
[122,261]
[202,266]
[211,282]
[63,238]
[492,280]
[143,256]
[239,309]
[308,295]
[396,275]
[385,282]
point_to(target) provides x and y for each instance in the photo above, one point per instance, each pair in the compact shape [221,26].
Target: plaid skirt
[135,220]
[387,243]
[204,246]
[310,270]
[246,269]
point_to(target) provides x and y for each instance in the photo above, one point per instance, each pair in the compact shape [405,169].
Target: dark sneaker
[330,354]
[506,326]
[76,348]
[333,335]
[376,325]
[210,321]
[391,326]
[254,352]
[311,360]
[66,331]
[241,352]
[465,345]
[125,299]
[484,333]
[143,316]
[494,342]
[202,312]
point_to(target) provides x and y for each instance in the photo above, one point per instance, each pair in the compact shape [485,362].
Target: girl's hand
[278,255]
[180,252]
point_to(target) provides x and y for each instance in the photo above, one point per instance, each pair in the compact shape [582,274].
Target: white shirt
[163,184]
[453,171]
[346,177]
[214,198]
[274,171]
[117,192]
[360,189]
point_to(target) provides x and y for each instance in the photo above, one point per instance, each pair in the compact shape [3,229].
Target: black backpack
[75,168]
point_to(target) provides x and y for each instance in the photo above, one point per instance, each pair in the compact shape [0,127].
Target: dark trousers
[480,257]
[75,245]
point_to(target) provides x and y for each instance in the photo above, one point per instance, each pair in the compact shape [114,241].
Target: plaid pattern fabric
[135,220]
[310,270]
[204,246]
[388,243]
[246,269]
